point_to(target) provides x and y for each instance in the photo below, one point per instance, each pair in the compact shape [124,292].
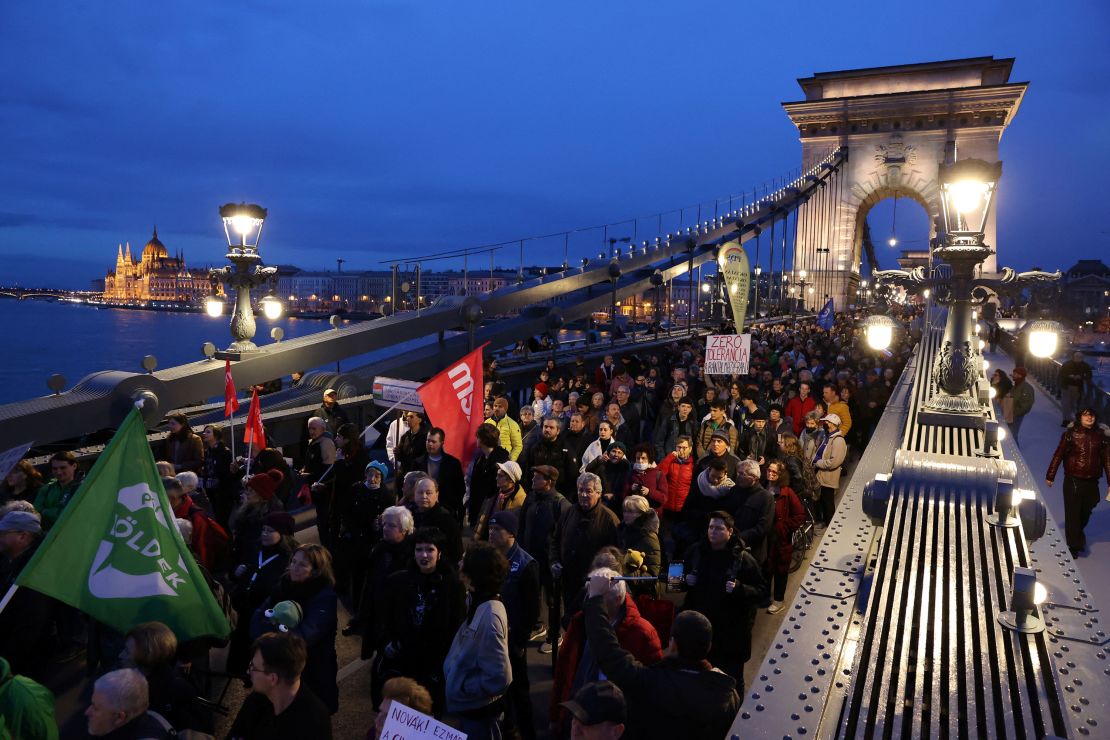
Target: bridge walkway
[1040,434]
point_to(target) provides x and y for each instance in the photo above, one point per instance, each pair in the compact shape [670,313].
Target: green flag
[116,554]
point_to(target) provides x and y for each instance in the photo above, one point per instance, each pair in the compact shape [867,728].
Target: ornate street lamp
[879,330]
[243,228]
[967,190]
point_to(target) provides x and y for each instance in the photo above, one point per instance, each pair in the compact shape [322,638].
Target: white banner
[400,393]
[403,723]
[727,354]
[8,458]
[734,266]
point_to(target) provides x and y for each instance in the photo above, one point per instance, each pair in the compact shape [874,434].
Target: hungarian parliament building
[154,276]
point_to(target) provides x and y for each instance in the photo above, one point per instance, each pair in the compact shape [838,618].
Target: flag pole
[231,431]
[8,596]
[384,414]
[250,454]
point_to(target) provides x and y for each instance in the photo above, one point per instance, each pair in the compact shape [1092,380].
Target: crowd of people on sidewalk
[633,518]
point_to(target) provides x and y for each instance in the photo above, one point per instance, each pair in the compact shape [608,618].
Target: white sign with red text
[727,354]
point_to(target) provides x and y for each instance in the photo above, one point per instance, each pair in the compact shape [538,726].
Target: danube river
[76,340]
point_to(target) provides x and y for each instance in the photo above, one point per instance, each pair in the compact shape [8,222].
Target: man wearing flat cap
[25,622]
[598,711]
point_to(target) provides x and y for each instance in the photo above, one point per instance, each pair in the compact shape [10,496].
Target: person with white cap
[331,412]
[510,496]
[26,621]
[828,460]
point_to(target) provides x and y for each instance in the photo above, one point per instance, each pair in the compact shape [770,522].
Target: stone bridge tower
[899,123]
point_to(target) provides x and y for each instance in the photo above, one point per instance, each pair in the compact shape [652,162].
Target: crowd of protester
[638,467]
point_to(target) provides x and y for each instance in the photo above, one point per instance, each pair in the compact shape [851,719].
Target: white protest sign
[399,393]
[403,723]
[727,354]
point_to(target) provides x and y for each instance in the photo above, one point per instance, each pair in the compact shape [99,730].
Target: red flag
[453,400]
[231,398]
[254,435]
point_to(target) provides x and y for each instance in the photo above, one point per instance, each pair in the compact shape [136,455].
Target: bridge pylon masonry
[900,124]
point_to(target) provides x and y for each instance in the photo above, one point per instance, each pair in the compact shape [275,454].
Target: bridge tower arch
[900,124]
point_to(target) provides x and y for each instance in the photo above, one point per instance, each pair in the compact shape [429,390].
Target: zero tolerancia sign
[727,354]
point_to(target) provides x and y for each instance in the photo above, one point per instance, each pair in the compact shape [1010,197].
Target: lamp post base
[1027,624]
[237,352]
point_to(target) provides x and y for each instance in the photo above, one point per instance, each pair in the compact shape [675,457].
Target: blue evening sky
[374,129]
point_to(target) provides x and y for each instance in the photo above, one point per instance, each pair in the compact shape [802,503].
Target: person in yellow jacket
[833,405]
[509,430]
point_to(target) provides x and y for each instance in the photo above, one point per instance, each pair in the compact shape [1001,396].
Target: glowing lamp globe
[879,331]
[243,225]
[271,308]
[967,187]
[1044,337]
[214,306]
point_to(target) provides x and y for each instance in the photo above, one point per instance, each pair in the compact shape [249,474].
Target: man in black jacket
[681,695]
[581,531]
[755,512]
[331,412]
[427,511]
[669,429]
[411,446]
[446,469]
[542,510]
[483,474]
[577,437]
[550,450]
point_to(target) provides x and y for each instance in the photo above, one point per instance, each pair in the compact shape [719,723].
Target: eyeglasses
[252,669]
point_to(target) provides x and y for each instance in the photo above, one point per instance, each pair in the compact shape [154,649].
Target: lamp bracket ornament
[955,373]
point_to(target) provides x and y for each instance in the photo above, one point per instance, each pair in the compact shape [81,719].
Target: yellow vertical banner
[733,263]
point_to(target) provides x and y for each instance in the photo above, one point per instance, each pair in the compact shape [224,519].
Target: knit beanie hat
[265,484]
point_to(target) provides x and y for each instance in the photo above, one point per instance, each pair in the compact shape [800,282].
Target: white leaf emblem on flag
[129,563]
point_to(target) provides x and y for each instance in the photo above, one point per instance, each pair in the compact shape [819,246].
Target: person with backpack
[210,543]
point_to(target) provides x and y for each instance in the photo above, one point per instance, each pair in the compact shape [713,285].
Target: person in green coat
[1023,399]
[53,497]
[26,707]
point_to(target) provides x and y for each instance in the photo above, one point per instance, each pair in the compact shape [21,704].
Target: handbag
[1008,409]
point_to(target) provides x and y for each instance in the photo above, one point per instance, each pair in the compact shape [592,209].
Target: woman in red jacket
[634,633]
[789,515]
